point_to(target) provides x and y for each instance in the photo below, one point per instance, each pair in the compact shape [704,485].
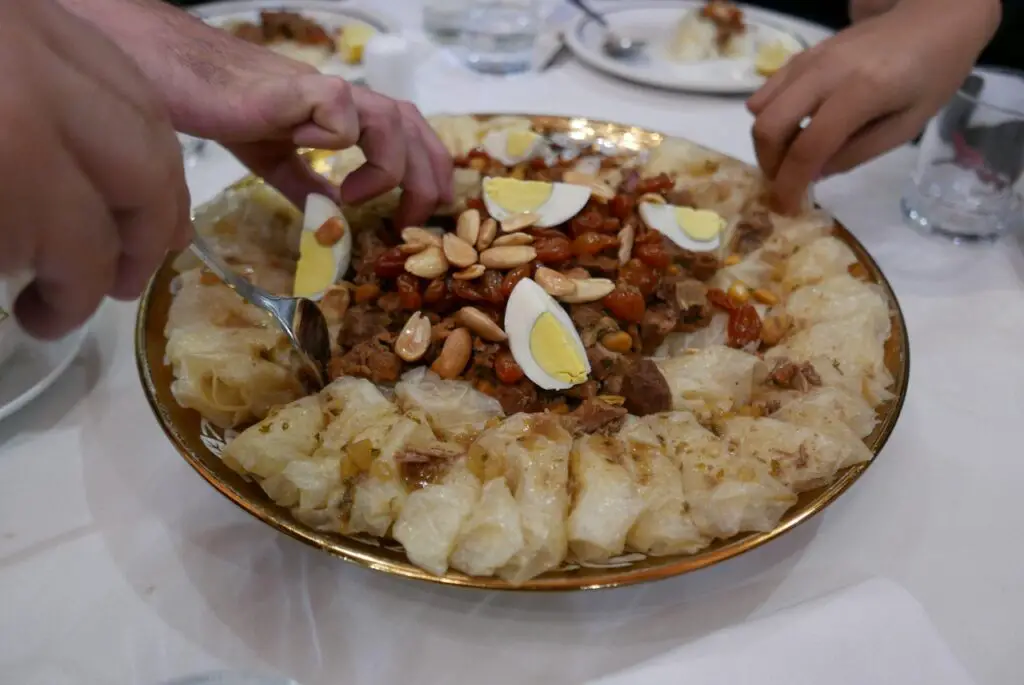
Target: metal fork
[300,319]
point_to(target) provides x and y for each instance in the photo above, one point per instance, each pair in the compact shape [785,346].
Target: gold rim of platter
[182,426]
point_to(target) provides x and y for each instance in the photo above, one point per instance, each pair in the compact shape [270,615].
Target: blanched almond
[481,324]
[554,283]
[413,341]
[507,256]
[458,251]
[626,238]
[601,191]
[578,178]
[513,239]
[468,227]
[454,355]
[412,248]
[488,229]
[589,290]
[518,222]
[414,235]
[469,273]
[430,263]
[651,198]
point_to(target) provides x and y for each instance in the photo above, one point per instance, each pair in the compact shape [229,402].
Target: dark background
[1007,49]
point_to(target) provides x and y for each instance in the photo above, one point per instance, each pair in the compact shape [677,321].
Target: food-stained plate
[200,443]
[657,22]
[332,16]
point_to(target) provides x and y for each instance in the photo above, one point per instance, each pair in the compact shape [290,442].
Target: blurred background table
[119,565]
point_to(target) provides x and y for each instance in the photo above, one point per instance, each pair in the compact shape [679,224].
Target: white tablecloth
[119,565]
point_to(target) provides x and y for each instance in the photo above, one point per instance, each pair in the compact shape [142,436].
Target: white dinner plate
[331,15]
[655,21]
[35,366]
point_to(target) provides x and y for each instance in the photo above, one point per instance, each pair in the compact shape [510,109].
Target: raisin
[552,250]
[506,368]
[627,303]
[390,263]
[409,292]
[652,255]
[513,277]
[593,243]
[639,275]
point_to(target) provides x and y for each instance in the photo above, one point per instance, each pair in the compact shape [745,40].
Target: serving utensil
[301,320]
[614,45]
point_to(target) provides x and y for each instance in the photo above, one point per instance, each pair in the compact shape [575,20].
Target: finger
[779,81]
[441,162]
[876,138]
[419,187]
[150,230]
[777,126]
[380,122]
[282,167]
[835,122]
[75,262]
[285,106]
[183,235]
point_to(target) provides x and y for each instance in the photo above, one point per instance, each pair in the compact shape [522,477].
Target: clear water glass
[498,36]
[967,186]
[443,19]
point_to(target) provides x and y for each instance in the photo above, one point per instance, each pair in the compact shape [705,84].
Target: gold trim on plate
[182,427]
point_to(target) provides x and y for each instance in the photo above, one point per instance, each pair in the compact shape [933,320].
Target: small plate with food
[712,47]
[608,361]
[327,35]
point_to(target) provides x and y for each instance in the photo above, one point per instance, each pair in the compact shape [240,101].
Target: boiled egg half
[512,146]
[543,339]
[325,248]
[553,203]
[697,230]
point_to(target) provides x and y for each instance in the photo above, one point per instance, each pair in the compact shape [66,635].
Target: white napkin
[871,634]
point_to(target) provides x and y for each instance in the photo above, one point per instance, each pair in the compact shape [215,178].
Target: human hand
[93,187]
[275,115]
[866,90]
[263,106]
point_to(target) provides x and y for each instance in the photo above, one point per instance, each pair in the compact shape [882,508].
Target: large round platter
[330,15]
[199,443]
[654,22]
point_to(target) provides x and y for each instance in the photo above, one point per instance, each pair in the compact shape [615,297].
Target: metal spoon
[614,45]
[300,319]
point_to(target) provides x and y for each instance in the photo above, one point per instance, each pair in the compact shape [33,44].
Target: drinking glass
[498,36]
[967,185]
[443,19]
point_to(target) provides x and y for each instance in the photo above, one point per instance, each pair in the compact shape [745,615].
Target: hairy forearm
[187,60]
[984,15]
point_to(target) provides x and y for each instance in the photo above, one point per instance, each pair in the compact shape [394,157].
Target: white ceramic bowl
[10,334]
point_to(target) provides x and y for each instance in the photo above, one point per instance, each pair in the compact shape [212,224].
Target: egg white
[495,144]
[662,218]
[566,201]
[320,208]
[525,305]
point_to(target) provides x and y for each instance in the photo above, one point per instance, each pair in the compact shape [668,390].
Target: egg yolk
[699,224]
[554,351]
[518,143]
[352,42]
[314,272]
[771,57]
[517,196]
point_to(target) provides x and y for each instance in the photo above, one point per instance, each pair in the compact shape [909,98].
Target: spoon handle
[589,12]
[246,290]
